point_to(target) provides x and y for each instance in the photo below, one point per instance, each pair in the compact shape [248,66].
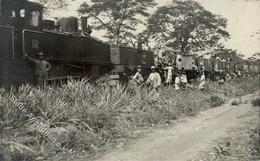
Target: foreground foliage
[85,118]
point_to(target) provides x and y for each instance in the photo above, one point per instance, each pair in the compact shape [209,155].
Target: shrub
[256,102]
[235,103]
[216,101]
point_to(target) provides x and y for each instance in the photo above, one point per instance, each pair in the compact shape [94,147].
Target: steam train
[75,53]
[230,63]
[71,52]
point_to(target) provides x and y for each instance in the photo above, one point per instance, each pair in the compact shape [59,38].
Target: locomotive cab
[21,14]
[16,16]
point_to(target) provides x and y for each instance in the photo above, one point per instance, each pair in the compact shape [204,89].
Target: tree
[135,39]
[51,5]
[252,58]
[186,26]
[228,54]
[256,55]
[241,55]
[118,18]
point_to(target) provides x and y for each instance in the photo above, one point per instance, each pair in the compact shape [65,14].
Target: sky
[243,21]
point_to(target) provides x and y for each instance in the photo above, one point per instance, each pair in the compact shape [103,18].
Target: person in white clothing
[177,82]
[202,81]
[138,78]
[184,80]
[169,74]
[154,79]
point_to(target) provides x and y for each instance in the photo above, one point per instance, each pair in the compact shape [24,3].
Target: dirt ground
[241,145]
[215,134]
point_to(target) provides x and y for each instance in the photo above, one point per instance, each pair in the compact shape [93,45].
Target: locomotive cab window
[34,18]
[22,13]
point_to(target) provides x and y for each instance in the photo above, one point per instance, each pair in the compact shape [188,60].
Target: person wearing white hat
[154,79]
[41,69]
[138,78]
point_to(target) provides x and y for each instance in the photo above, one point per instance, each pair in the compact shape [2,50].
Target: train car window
[34,19]
[22,13]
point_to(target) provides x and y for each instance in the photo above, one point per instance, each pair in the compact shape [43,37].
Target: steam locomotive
[71,52]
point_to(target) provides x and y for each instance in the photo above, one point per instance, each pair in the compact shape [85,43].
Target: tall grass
[85,117]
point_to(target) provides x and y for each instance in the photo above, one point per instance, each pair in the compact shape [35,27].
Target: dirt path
[188,137]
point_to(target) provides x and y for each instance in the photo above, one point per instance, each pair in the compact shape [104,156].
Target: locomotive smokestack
[84,26]
[69,24]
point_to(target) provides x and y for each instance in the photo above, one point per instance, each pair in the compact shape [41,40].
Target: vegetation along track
[89,120]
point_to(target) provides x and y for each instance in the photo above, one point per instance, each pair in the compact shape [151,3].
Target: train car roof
[24,2]
[129,47]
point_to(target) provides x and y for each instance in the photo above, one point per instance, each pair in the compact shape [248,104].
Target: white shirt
[154,79]
[202,78]
[169,71]
[177,83]
[184,78]
[138,77]
[177,80]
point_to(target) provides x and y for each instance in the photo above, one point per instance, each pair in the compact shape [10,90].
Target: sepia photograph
[129,80]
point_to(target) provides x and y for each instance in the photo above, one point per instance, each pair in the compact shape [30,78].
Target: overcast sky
[243,20]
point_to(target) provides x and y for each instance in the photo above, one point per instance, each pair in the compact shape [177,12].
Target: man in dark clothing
[41,69]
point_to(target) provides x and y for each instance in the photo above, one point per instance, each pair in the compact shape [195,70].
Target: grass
[84,118]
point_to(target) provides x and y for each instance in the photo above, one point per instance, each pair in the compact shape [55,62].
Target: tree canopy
[256,55]
[119,18]
[51,5]
[185,26]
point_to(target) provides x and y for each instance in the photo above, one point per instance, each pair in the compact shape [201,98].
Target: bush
[234,103]
[216,101]
[256,102]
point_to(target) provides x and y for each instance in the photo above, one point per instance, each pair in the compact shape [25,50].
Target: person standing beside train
[169,74]
[41,69]
[202,81]
[138,78]
[183,79]
[154,81]
[177,82]
[136,81]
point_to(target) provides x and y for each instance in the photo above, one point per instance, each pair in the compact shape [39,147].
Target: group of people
[154,79]
[167,74]
[179,78]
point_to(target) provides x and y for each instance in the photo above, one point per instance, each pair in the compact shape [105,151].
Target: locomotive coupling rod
[27,30]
